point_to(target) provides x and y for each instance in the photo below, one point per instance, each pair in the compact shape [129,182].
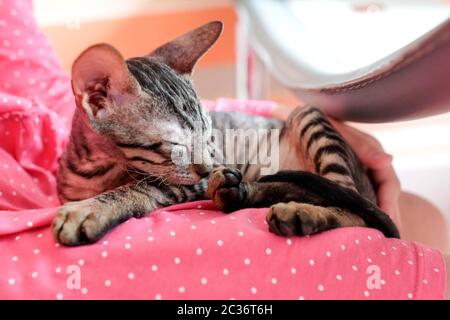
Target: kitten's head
[148,107]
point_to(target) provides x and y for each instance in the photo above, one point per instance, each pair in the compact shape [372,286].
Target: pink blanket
[187,251]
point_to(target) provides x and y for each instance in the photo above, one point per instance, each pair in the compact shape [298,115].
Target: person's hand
[373,156]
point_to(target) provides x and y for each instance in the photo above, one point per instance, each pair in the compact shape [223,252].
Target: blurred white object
[368,61]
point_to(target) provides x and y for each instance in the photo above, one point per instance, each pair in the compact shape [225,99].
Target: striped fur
[133,120]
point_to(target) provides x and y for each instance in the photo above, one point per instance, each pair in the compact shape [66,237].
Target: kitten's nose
[202,169]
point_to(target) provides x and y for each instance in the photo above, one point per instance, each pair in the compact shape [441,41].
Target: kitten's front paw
[79,223]
[225,189]
[294,218]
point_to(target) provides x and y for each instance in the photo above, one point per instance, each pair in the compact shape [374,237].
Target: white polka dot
[301,298]
[128,237]
[40,235]
[410,262]
[289,242]
[201,213]
[150,239]
[232,217]
[293,270]
[158,297]
[30,224]
[219,243]
[253,290]
[131,276]
[181,289]
[240,234]
[59,296]
[204,281]
[168,219]
[58,270]
[213,221]
[369,237]
[383,253]
[11,281]
[410,295]
[383,282]
[342,247]
[328,254]
[394,248]
[366,293]
[15,258]
[34,275]
[369,260]
[397,272]
[107,283]
[84,291]
[268,251]
[247,261]
[311,262]
[81,262]
[425,281]
[177,260]
[154,268]
[199,251]
[104,254]
[172,233]
[127,246]
[36,251]
[436,270]
[193,227]
[338,277]
[355,268]
[320,287]
[274,281]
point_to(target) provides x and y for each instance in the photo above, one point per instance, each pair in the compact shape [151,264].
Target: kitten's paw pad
[225,190]
[78,223]
[293,218]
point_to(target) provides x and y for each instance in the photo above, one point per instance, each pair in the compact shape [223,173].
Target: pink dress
[187,251]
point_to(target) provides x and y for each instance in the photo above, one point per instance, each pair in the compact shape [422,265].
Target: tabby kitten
[133,130]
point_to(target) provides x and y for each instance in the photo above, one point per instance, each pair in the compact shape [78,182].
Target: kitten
[133,130]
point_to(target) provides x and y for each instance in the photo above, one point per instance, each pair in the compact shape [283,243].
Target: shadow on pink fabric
[187,251]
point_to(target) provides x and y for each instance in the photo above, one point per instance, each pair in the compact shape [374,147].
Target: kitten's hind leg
[230,193]
[325,151]
[295,218]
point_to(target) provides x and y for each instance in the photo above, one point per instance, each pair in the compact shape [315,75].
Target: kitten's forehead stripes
[174,90]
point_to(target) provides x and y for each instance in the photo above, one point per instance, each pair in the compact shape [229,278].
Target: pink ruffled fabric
[187,251]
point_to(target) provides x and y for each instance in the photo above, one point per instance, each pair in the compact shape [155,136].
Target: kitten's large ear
[100,78]
[182,53]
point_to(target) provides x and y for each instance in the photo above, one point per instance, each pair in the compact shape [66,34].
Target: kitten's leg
[230,193]
[88,220]
[295,218]
[325,151]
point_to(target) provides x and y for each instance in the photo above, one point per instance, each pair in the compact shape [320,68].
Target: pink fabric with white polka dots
[188,251]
